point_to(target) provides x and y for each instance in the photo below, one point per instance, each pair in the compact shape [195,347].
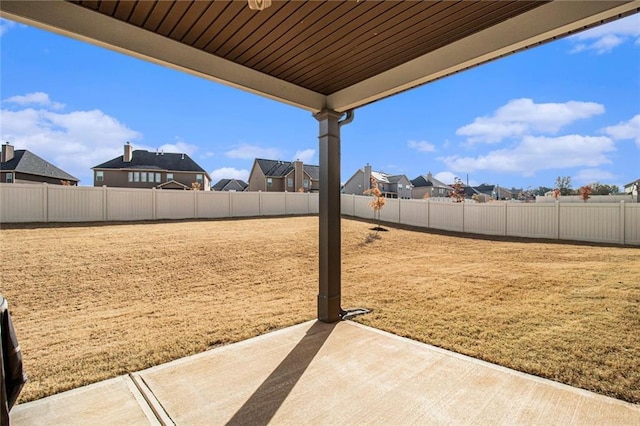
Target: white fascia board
[538,25]
[77,22]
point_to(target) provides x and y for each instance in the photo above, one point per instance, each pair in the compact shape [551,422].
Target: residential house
[633,188]
[495,192]
[144,169]
[424,186]
[234,185]
[283,176]
[23,166]
[473,194]
[391,186]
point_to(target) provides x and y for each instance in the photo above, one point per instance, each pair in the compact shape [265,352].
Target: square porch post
[329,212]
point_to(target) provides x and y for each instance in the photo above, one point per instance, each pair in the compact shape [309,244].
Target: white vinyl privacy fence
[617,223]
[56,203]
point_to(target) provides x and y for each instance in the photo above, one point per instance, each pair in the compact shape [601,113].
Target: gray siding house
[391,186]
[23,166]
[428,186]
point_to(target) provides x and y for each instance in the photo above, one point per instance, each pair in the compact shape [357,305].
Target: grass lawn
[91,302]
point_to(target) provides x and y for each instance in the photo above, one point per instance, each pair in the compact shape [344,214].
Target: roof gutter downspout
[350,115]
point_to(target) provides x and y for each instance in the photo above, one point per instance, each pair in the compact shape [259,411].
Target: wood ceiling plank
[206,20]
[306,38]
[397,28]
[336,45]
[141,12]
[254,29]
[193,14]
[257,38]
[461,27]
[173,17]
[107,7]
[278,34]
[124,10]
[157,15]
[207,40]
[293,32]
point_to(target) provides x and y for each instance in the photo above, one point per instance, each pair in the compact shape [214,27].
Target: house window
[269,182]
[199,179]
[143,177]
[169,176]
[99,176]
[305,183]
[136,176]
[399,186]
[290,182]
[9,178]
[158,178]
[130,179]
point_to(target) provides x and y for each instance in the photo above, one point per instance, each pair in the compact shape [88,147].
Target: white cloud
[74,141]
[229,173]
[446,177]
[520,117]
[36,99]
[6,25]
[306,156]
[605,38]
[421,146]
[449,178]
[250,152]
[178,147]
[536,153]
[593,175]
[625,130]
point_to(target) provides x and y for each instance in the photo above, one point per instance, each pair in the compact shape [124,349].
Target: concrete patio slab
[317,373]
[111,402]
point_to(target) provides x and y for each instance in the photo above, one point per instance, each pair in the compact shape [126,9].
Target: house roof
[227,184]
[277,168]
[317,55]
[142,159]
[632,183]
[172,184]
[25,161]
[422,180]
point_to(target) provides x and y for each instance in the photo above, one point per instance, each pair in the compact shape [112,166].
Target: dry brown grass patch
[92,302]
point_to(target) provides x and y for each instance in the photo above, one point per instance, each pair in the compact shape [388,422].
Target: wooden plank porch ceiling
[323,46]
[318,54]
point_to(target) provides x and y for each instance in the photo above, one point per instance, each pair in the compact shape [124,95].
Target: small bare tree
[458,190]
[585,192]
[195,186]
[377,203]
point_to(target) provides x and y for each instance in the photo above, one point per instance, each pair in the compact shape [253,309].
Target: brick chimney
[429,177]
[128,153]
[298,176]
[7,152]
[367,177]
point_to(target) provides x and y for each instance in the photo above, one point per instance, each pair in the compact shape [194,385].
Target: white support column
[329,294]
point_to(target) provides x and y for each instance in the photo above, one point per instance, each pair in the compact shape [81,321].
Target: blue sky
[567,108]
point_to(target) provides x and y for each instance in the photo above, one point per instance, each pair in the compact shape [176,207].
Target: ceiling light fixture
[259,4]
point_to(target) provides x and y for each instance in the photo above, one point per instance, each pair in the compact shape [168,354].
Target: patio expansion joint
[153,402]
